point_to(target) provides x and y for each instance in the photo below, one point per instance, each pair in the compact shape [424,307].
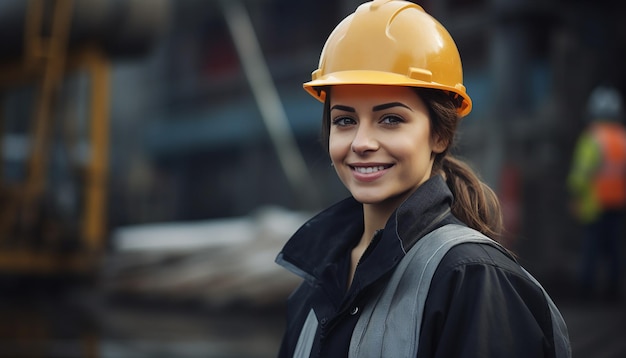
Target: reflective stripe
[307,336]
[383,329]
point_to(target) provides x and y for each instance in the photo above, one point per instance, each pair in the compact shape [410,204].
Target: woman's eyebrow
[343,108]
[383,106]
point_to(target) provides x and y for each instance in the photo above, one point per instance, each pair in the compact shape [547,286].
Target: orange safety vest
[609,183]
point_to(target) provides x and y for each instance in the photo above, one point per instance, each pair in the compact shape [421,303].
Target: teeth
[368,170]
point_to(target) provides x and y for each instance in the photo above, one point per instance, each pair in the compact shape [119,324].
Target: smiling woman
[408,266]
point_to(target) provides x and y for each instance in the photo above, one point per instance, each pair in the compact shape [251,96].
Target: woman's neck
[375,218]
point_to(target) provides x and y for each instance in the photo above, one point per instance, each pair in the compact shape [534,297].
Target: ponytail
[475,203]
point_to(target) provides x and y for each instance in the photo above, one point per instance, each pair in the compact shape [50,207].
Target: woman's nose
[364,140]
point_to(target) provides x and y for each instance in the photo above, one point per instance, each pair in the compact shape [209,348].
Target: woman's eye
[391,120]
[343,121]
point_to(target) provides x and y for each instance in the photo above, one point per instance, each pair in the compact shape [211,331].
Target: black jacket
[480,303]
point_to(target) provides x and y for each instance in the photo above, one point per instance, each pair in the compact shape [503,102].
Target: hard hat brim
[361,77]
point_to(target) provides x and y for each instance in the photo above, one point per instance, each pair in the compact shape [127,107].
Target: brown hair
[474,203]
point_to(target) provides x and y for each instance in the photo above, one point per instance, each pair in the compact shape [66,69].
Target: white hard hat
[605,103]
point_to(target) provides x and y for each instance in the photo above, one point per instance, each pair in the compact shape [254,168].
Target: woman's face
[380,141]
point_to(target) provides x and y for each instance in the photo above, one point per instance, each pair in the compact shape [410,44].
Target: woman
[404,267]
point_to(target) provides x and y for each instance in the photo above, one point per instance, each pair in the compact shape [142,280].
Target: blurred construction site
[157,154]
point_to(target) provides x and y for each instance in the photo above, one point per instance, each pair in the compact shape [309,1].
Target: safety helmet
[605,103]
[391,42]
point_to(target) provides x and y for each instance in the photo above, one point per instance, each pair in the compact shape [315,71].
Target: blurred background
[157,154]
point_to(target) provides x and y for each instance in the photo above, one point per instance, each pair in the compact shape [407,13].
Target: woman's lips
[369,172]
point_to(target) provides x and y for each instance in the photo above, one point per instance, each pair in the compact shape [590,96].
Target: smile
[365,172]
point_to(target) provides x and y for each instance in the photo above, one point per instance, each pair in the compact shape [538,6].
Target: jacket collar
[321,241]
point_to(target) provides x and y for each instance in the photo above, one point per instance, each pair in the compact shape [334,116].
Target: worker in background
[597,183]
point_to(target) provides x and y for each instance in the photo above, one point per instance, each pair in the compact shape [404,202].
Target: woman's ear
[439,145]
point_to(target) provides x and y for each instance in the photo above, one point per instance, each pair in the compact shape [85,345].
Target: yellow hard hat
[390,42]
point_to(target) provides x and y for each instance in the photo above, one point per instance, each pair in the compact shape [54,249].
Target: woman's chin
[373,199]
[378,198]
